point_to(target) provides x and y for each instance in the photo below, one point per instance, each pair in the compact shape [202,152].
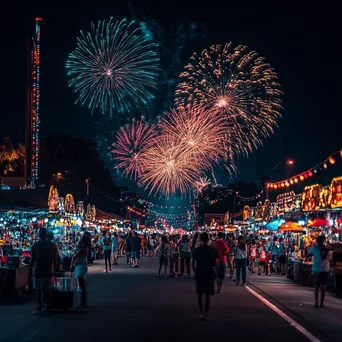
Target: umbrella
[273,225]
[319,222]
[291,227]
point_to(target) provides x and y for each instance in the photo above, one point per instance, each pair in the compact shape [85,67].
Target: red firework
[132,141]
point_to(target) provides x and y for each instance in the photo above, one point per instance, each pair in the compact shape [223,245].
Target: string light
[306,174]
[251,198]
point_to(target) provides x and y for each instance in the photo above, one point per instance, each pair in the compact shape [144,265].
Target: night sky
[303,52]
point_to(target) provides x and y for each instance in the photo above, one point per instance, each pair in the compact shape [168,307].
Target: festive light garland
[250,199]
[136,211]
[35,101]
[306,174]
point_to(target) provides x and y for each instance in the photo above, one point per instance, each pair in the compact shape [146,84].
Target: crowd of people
[212,257]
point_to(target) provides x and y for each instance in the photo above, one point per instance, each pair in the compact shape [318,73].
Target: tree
[12,158]
[67,161]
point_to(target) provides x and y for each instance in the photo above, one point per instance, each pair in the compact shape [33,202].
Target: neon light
[35,101]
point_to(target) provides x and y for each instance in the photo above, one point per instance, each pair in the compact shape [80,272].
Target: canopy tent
[273,226]
[291,227]
[319,222]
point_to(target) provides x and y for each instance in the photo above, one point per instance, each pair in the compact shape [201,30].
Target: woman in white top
[320,268]
[241,260]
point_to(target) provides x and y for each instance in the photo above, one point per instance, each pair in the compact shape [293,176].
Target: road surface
[134,305]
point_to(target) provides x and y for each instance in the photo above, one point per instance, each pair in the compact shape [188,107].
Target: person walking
[320,268]
[136,246]
[185,254]
[282,256]
[231,255]
[241,260]
[80,264]
[262,258]
[105,243]
[274,251]
[115,248]
[45,261]
[174,257]
[252,252]
[204,267]
[129,248]
[222,251]
[163,255]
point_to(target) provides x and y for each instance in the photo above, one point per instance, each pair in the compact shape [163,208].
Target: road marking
[287,318]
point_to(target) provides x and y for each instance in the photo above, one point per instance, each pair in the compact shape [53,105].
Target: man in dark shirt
[44,259]
[129,248]
[136,246]
[204,266]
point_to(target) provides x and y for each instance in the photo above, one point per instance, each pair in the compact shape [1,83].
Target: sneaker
[158,275]
[105,271]
[137,266]
[322,305]
[110,271]
[45,312]
[37,312]
[316,305]
[203,318]
[237,284]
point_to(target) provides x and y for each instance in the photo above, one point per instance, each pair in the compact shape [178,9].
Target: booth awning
[319,222]
[291,227]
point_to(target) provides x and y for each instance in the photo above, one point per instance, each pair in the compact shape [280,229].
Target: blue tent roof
[274,225]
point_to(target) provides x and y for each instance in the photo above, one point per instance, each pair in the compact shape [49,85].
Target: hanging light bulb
[291,181]
[332,160]
[310,173]
[296,180]
[301,177]
[325,165]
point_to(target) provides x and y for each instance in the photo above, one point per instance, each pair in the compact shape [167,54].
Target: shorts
[107,253]
[320,278]
[221,270]
[205,286]
[135,254]
[129,254]
[262,263]
[282,259]
[43,284]
[163,260]
[81,270]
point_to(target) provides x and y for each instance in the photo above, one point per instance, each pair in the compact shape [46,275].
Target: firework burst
[239,85]
[197,129]
[131,142]
[114,67]
[168,167]
[201,183]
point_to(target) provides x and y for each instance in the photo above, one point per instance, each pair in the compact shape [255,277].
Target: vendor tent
[273,226]
[319,222]
[291,227]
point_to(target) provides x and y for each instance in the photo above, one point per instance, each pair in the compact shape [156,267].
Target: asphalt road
[134,305]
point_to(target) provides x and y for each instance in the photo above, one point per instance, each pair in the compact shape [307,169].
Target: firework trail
[114,67]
